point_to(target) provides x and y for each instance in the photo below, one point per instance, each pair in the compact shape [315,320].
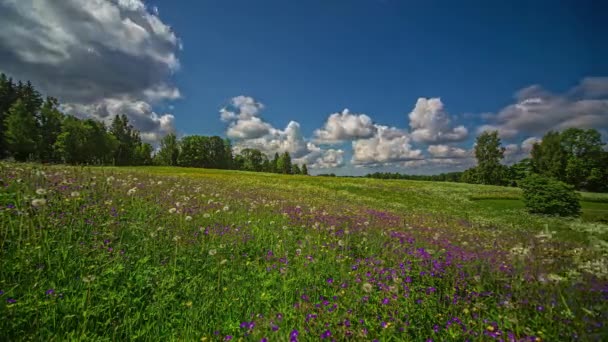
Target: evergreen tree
[8,96]
[284,163]
[50,128]
[295,169]
[21,133]
[274,164]
[489,153]
[304,170]
[228,157]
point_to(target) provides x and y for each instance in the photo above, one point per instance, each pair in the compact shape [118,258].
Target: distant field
[159,253]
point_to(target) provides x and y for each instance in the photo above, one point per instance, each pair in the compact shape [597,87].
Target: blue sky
[304,60]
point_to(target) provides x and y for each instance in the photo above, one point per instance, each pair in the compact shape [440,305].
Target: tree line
[574,156]
[33,128]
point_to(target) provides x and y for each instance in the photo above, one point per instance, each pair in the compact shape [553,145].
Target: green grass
[168,254]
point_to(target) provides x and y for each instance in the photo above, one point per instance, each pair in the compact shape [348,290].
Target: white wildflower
[75,194]
[206,215]
[41,192]
[172,210]
[367,287]
[131,191]
[226,208]
[188,218]
[223,262]
[38,202]
[212,252]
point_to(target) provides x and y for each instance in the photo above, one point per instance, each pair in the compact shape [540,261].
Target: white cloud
[251,128]
[91,54]
[431,124]
[448,152]
[251,131]
[537,110]
[388,145]
[345,126]
[318,158]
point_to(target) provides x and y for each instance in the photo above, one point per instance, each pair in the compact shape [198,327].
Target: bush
[543,195]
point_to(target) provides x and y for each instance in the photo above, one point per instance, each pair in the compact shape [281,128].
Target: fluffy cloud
[537,110]
[431,124]
[388,145]
[318,158]
[345,126]
[448,152]
[92,55]
[243,119]
[250,131]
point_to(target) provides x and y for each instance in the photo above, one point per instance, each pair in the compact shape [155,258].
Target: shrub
[543,195]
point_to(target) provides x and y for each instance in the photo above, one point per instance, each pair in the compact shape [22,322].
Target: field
[153,253]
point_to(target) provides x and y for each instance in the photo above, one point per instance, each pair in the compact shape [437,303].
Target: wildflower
[41,192]
[340,243]
[159,182]
[131,191]
[110,179]
[367,287]
[223,262]
[11,301]
[326,334]
[212,252]
[38,202]
[50,292]
[188,218]
[226,208]
[206,215]
[75,194]
[88,279]
[172,210]
[176,238]
[228,338]
[293,335]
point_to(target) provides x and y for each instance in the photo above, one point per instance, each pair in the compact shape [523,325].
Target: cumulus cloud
[448,152]
[537,110]
[250,131]
[345,126]
[388,145]
[92,54]
[318,158]
[431,124]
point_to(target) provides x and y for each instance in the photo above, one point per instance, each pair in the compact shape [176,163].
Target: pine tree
[304,170]
[21,132]
[50,128]
[284,163]
[295,169]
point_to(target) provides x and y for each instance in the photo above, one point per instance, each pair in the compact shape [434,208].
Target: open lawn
[157,253]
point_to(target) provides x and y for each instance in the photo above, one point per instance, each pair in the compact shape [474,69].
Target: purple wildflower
[50,292]
[11,301]
[326,334]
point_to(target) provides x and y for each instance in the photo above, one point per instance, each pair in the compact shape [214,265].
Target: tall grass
[182,254]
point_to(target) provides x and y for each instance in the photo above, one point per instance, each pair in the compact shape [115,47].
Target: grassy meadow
[178,254]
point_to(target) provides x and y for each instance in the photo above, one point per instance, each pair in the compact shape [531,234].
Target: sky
[346,86]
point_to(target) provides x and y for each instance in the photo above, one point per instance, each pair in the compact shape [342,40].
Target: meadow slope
[157,253]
